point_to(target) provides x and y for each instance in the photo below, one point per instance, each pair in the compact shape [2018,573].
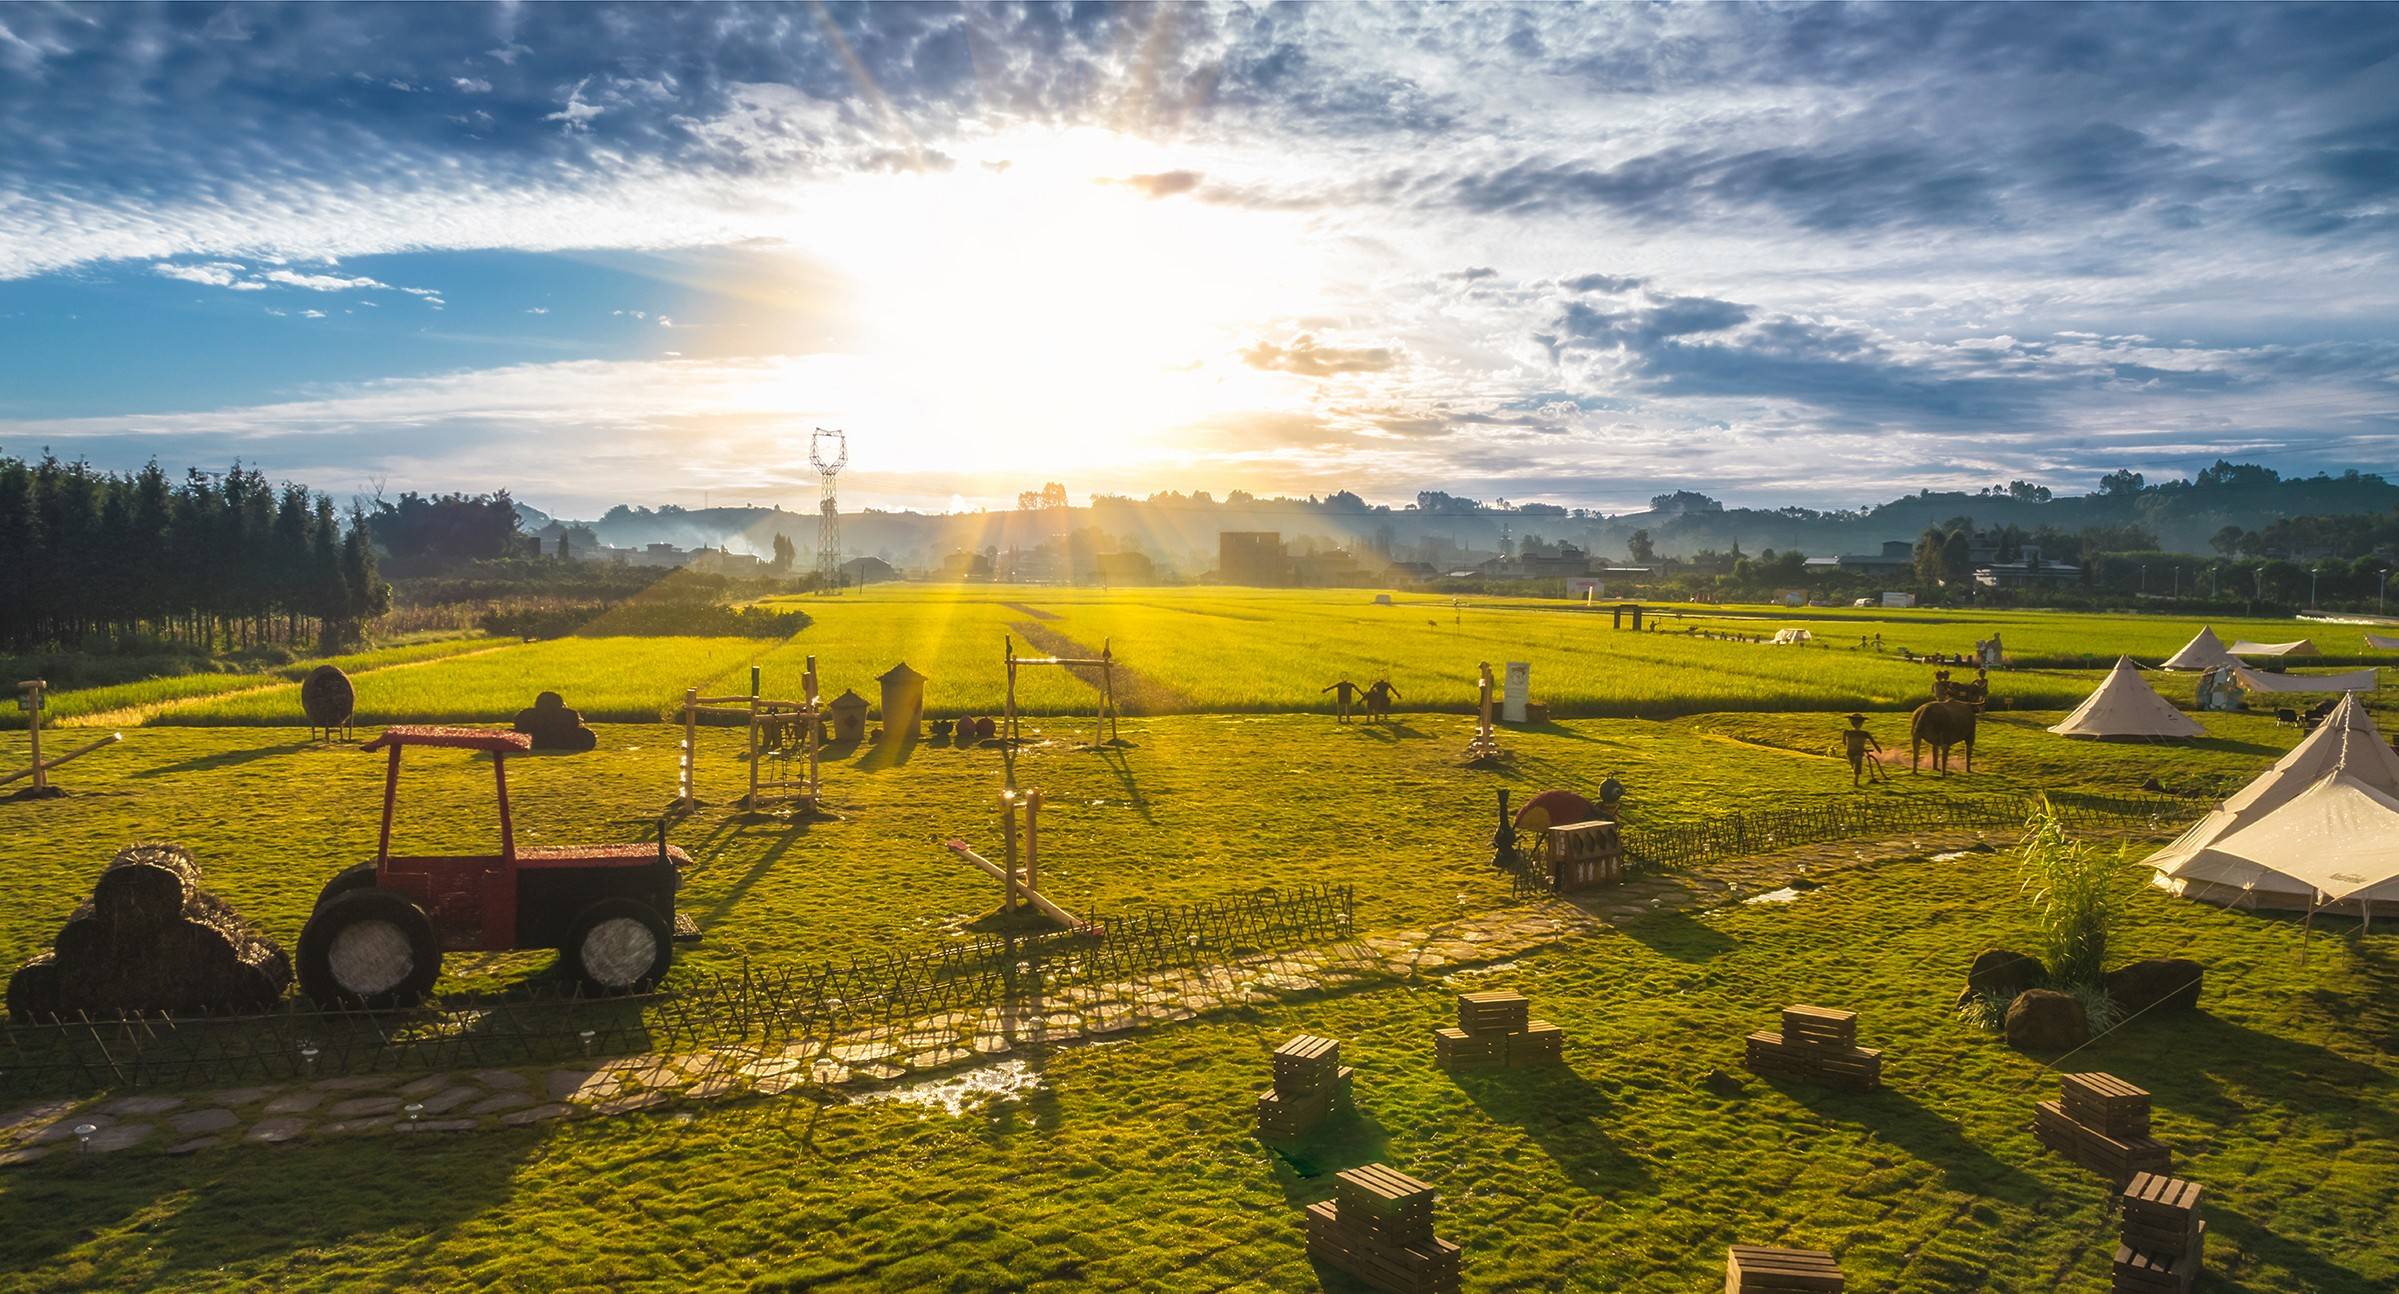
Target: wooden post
[752,801]
[814,720]
[1032,842]
[1008,720]
[33,728]
[1008,895]
[691,737]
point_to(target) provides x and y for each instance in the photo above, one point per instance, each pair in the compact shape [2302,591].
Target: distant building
[868,570]
[1252,557]
[1125,568]
[963,566]
[716,561]
[1897,554]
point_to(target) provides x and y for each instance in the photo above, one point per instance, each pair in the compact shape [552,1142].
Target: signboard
[1515,691]
[1899,599]
[1585,587]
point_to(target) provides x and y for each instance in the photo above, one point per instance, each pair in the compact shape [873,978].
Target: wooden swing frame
[759,712]
[1103,729]
[31,699]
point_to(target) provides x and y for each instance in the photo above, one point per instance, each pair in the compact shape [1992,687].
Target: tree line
[93,559]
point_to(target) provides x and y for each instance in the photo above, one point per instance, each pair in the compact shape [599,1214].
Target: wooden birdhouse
[903,700]
[847,716]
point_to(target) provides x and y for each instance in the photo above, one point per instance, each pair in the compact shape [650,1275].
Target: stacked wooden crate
[1378,1227]
[1752,1269]
[1497,1028]
[2102,1123]
[1310,1085]
[1583,854]
[2162,1238]
[1817,1044]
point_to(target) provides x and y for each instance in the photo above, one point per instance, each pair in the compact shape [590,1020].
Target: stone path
[436,1104]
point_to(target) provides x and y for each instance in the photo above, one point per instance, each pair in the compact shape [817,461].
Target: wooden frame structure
[32,698]
[1020,888]
[764,715]
[1485,743]
[1103,730]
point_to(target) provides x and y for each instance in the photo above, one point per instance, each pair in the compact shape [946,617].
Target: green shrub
[2072,888]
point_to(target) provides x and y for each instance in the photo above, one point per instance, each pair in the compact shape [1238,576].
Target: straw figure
[1343,693]
[1379,696]
[1856,742]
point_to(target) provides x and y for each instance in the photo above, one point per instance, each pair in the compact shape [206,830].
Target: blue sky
[1783,253]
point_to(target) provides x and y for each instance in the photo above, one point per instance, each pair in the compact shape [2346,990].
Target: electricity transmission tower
[830,452]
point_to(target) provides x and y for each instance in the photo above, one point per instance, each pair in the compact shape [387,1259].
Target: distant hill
[1181,530]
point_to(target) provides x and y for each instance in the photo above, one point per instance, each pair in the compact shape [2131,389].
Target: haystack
[151,941]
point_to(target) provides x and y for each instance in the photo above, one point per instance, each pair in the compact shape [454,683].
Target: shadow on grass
[167,1217]
[1680,935]
[1390,730]
[786,832]
[1548,728]
[232,758]
[2227,1228]
[889,753]
[1122,768]
[1892,1116]
[1305,1168]
[1561,1111]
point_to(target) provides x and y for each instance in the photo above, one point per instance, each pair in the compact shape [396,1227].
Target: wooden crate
[1430,1267]
[2137,1272]
[2160,1215]
[2107,1103]
[1286,1115]
[1379,1191]
[1771,1055]
[2114,1158]
[1820,1026]
[1306,1063]
[1493,1012]
[1456,1047]
[1583,854]
[1753,1269]
[1541,1043]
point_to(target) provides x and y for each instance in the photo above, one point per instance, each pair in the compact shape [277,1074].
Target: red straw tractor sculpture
[379,929]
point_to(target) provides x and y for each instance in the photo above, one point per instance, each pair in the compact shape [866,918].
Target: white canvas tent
[2380,643]
[2300,648]
[2126,706]
[2359,680]
[2204,651]
[1786,637]
[2278,843]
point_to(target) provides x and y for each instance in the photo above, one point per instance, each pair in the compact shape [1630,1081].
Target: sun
[1034,304]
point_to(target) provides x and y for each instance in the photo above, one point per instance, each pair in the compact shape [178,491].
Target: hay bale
[555,725]
[152,941]
[327,697]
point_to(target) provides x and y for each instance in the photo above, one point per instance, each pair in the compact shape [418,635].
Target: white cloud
[576,115]
[312,314]
[538,310]
[322,282]
[471,84]
[215,274]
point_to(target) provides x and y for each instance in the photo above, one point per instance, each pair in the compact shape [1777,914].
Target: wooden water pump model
[32,698]
[379,930]
[1020,889]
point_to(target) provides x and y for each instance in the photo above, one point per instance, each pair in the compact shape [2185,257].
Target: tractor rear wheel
[368,948]
[619,946]
[361,877]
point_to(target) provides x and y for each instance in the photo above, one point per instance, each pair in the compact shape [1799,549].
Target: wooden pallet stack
[1816,1044]
[2102,1123]
[2163,1236]
[1497,1028]
[1310,1085]
[1754,1269]
[1583,854]
[1378,1227]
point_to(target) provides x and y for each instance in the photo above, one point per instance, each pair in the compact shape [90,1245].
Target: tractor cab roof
[493,740]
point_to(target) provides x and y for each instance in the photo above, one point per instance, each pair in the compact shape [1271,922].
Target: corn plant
[2072,890]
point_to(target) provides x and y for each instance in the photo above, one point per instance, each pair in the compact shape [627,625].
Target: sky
[1579,255]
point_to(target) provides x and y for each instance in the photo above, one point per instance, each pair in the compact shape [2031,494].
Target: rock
[538,1114]
[359,1107]
[2003,974]
[2046,1020]
[500,1103]
[273,1131]
[196,1122]
[554,725]
[140,1105]
[295,1103]
[2160,983]
[1721,1083]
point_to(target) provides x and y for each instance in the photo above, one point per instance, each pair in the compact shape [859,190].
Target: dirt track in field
[1136,693]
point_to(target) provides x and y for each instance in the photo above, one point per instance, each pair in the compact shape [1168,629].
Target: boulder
[2043,1019]
[2000,973]
[2163,983]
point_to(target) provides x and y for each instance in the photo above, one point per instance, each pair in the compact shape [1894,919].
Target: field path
[134,716]
[1136,693]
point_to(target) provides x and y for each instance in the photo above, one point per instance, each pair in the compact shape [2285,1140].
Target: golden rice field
[1218,650]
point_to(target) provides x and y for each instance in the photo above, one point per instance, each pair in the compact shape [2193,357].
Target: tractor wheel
[368,948]
[619,946]
[361,877]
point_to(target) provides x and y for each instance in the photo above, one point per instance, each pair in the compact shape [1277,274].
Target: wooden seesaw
[1020,890]
[34,703]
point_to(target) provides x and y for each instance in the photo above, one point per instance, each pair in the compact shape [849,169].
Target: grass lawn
[1132,1165]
